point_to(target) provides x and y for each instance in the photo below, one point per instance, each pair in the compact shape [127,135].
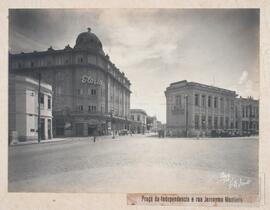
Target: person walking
[95,135]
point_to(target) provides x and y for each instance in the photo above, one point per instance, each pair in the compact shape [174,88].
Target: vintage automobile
[123,132]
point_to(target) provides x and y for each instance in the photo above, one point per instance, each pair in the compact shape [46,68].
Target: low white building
[23,109]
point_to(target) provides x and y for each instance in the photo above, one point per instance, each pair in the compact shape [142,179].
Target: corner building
[89,91]
[23,108]
[138,117]
[196,109]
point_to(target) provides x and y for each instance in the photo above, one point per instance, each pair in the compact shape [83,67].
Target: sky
[155,47]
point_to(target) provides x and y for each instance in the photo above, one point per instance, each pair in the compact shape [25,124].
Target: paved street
[136,164]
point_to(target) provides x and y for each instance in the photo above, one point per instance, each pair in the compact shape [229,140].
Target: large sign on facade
[88,79]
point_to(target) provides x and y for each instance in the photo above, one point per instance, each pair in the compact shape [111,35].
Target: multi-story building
[248,115]
[138,120]
[196,109]
[151,123]
[23,108]
[89,91]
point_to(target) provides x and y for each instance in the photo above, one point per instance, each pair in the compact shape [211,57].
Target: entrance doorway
[42,129]
[91,130]
[79,129]
[49,128]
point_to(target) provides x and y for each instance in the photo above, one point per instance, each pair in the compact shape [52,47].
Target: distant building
[23,108]
[159,125]
[248,115]
[196,109]
[138,120]
[151,123]
[89,92]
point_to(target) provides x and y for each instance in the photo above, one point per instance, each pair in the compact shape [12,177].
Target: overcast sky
[155,47]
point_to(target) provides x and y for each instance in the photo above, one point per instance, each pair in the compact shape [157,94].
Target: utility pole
[39,96]
[186,115]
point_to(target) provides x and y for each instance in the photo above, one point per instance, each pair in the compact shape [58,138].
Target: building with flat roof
[194,109]
[23,108]
[138,121]
[89,92]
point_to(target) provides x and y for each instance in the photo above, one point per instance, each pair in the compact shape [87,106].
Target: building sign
[90,80]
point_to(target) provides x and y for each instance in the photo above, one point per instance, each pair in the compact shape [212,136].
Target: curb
[68,139]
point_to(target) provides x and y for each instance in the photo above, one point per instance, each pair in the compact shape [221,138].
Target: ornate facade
[89,91]
[195,109]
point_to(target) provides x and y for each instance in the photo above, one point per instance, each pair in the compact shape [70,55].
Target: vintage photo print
[160,104]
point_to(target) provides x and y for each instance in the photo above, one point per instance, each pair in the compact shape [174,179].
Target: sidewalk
[64,139]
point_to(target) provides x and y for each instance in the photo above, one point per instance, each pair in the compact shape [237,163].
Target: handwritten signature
[233,182]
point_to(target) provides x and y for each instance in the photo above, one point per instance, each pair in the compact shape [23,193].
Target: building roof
[28,80]
[138,111]
[185,83]
[88,40]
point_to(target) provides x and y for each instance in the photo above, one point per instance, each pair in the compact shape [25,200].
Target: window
[227,122]
[197,118]
[216,122]
[80,91]
[93,92]
[58,91]
[227,104]
[221,122]
[80,60]
[243,125]
[178,100]
[243,111]
[221,104]
[80,107]
[215,102]
[32,64]
[231,125]
[209,122]
[196,99]
[132,117]
[92,108]
[203,100]
[209,101]
[203,122]
[138,118]
[49,102]
[41,100]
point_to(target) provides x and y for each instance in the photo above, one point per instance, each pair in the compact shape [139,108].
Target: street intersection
[138,163]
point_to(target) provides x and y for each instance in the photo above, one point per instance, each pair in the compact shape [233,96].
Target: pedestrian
[95,135]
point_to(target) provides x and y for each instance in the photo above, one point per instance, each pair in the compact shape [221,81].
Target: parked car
[123,132]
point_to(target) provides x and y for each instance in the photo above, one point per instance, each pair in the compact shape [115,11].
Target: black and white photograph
[134,101]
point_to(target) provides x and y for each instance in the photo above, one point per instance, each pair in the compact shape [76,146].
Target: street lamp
[113,136]
[39,98]
[186,97]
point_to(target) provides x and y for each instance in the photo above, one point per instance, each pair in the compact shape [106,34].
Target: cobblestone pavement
[136,164]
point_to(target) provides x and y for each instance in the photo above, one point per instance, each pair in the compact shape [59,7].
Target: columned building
[89,92]
[196,109]
[24,106]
